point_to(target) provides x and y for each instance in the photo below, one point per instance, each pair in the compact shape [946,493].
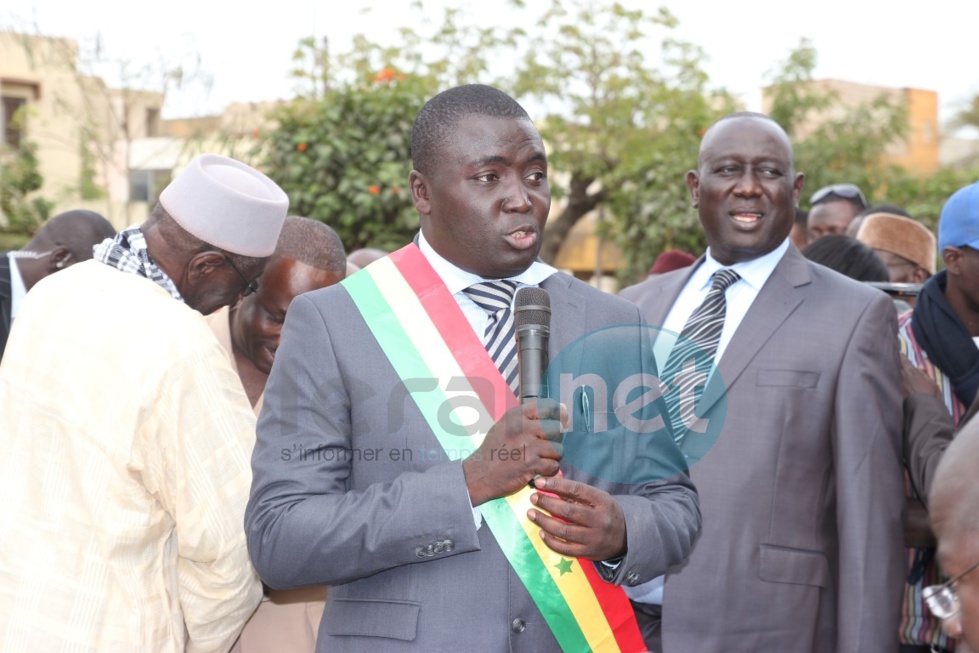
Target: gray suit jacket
[802,495]
[384,520]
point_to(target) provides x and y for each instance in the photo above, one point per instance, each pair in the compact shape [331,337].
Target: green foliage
[88,189]
[621,105]
[629,105]
[344,158]
[850,142]
[20,177]
[924,197]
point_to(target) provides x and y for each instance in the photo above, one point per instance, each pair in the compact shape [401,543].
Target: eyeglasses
[250,286]
[941,599]
[846,191]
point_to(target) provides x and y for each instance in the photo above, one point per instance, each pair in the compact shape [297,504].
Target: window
[13,121]
[145,185]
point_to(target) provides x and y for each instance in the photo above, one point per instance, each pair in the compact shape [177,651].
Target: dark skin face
[900,269]
[958,550]
[745,188]
[962,287]
[256,322]
[209,282]
[831,217]
[484,204]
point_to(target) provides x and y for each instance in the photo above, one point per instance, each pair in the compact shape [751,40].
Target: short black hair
[848,256]
[436,119]
[78,230]
[312,243]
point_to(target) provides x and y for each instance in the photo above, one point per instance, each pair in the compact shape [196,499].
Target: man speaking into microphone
[393,455]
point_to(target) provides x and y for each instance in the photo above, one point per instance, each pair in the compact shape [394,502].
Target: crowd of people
[221,432]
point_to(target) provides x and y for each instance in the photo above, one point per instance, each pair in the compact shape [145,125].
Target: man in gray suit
[356,485]
[802,493]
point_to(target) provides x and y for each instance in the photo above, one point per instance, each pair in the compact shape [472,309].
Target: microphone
[532,320]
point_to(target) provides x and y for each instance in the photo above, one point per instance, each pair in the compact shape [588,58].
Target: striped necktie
[698,341]
[495,297]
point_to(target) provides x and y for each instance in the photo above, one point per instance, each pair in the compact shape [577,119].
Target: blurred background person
[832,208]
[64,239]
[308,256]
[800,229]
[847,256]
[905,245]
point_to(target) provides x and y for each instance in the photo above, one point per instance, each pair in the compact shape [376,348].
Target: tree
[835,142]
[342,152]
[627,104]
[19,179]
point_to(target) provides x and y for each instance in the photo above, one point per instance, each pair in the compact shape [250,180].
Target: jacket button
[420,551]
[518,626]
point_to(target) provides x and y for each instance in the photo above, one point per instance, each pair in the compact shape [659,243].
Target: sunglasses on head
[845,191]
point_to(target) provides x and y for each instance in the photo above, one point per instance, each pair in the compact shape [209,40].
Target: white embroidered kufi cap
[227,204]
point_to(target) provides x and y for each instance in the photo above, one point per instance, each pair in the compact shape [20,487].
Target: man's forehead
[746,135]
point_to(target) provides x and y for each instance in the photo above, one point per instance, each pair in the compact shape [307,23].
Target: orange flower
[302,147]
[256,133]
[386,75]
[375,190]
[395,190]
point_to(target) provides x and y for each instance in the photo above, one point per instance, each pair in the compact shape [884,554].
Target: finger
[565,531]
[551,429]
[572,490]
[542,408]
[560,508]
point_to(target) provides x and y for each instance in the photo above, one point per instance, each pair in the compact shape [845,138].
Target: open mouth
[524,238]
[746,218]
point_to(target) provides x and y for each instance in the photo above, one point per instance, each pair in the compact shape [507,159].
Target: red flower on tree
[374,189]
[301,147]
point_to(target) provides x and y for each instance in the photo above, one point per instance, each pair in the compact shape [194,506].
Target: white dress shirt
[457,280]
[17,288]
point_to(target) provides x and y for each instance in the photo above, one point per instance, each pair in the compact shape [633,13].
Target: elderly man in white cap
[125,433]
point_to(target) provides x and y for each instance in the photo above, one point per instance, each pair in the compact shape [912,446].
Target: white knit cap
[227,204]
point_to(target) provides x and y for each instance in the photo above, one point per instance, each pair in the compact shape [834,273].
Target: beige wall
[920,153]
[68,109]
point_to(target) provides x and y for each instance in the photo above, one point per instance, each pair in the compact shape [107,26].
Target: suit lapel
[775,302]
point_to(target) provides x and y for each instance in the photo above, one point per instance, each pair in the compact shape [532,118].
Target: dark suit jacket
[358,525]
[802,495]
[6,297]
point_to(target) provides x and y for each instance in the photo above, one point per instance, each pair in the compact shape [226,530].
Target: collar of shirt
[17,288]
[456,279]
[740,296]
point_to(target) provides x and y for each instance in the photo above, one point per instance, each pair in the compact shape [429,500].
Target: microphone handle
[532,360]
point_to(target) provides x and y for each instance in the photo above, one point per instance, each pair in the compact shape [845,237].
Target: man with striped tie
[802,493]
[368,476]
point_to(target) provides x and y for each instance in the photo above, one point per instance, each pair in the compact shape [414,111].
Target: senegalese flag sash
[423,332]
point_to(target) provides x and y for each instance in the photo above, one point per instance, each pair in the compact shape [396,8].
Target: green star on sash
[564,566]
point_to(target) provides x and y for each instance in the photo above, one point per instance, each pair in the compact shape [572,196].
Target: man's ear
[60,259]
[419,192]
[201,266]
[693,183]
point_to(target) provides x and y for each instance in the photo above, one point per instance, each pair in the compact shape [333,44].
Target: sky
[246,48]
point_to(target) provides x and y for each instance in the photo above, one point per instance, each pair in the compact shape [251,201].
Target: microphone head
[532,306]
